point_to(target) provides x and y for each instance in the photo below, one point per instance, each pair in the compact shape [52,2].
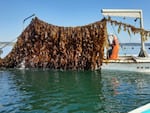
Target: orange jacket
[115,49]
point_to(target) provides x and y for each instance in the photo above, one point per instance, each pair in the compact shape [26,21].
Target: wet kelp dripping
[42,45]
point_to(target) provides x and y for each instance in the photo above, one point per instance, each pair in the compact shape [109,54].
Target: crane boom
[122,12]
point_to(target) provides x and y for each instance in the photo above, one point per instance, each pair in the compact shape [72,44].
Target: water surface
[47,91]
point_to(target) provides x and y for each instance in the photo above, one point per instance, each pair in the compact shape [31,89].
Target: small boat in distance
[140,63]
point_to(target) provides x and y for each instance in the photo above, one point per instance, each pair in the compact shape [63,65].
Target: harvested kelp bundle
[42,45]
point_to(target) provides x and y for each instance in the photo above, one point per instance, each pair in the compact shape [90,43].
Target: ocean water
[132,50]
[48,91]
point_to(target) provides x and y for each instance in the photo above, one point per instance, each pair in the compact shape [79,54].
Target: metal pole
[143,52]
[1,52]
[27,19]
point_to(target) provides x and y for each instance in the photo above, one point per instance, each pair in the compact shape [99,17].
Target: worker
[115,48]
[110,47]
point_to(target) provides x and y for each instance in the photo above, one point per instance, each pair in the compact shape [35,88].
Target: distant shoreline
[133,44]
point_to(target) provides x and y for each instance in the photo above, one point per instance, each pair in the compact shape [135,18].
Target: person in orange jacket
[110,43]
[115,48]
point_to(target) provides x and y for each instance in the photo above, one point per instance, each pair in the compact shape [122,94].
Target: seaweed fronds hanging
[129,28]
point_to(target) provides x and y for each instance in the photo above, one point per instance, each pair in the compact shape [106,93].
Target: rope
[17,37]
[8,43]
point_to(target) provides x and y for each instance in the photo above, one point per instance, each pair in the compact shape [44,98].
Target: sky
[61,12]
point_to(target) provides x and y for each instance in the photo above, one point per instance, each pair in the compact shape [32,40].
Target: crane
[132,14]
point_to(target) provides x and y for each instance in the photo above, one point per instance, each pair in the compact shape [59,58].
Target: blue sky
[60,12]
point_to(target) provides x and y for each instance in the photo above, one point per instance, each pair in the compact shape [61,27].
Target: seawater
[48,91]
[132,50]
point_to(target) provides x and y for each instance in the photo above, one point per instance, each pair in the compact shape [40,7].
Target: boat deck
[128,63]
[128,59]
[142,109]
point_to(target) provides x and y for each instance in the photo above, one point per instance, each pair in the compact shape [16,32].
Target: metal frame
[132,14]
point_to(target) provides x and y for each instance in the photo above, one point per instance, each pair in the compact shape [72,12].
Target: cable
[8,43]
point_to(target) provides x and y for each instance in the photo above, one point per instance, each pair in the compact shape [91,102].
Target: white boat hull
[128,63]
[142,109]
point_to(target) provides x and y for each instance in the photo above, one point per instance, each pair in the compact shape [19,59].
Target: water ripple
[72,92]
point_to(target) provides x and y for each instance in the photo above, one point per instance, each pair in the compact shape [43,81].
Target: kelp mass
[42,45]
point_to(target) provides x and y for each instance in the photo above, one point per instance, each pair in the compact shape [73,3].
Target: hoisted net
[42,45]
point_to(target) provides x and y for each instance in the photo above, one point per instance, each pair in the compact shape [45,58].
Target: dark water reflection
[72,91]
